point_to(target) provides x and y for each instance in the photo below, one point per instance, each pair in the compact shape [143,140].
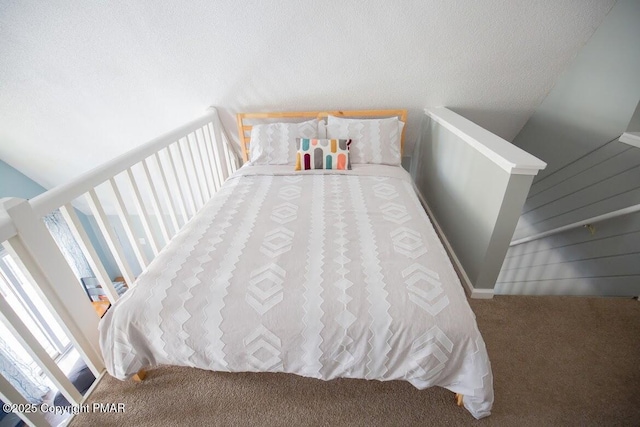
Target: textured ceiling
[81,82]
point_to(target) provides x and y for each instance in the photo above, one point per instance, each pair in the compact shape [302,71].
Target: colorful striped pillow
[322,154]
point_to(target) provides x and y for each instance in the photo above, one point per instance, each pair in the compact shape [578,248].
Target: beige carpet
[557,361]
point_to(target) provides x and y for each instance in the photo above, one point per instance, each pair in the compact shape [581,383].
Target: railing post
[34,249]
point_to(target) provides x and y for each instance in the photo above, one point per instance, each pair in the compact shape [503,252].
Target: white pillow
[322,130]
[275,143]
[374,141]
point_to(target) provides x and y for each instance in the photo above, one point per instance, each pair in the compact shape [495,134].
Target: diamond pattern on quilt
[385,191]
[225,271]
[345,319]
[289,192]
[284,213]
[395,212]
[408,242]
[424,288]
[307,324]
[379,326]
[277,242]
[429,354]
[292,178]
[313,282]
[263,349]
[265,288]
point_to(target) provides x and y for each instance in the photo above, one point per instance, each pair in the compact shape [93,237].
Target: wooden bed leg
[459,399]
[140,376]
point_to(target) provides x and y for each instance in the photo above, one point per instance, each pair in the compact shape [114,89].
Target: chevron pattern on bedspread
[324,275]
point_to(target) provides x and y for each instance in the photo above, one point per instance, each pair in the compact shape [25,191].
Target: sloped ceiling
[81,82]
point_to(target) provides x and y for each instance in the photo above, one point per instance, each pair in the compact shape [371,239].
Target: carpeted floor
[557,361]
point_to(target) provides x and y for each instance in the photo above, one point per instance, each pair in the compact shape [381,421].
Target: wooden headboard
[244,129]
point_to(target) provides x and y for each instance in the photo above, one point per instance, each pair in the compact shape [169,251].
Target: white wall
[81,82]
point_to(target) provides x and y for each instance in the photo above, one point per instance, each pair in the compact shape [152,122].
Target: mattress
[323,274]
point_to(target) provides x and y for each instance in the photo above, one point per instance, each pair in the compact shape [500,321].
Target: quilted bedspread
[323,274]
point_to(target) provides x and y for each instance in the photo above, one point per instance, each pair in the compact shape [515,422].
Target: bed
[319,272]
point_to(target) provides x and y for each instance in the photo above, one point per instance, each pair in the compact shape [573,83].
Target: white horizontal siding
[578,262]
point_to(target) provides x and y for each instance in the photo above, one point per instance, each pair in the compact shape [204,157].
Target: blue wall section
[14,183]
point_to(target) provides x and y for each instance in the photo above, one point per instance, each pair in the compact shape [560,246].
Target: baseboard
[482,293]
[464,278]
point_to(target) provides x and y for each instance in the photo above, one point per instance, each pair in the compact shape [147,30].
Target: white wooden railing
[473,184]
[168,180]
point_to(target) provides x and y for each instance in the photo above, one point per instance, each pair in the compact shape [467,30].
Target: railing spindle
[125,219]
[173,214]
[202,191]
[215,171]
[80,235]
[110,236]
[179,152]
[206,162]
[142,213]
[199,138]
[217,128]
[182,199]
[187,157]
[216,155]
[155,202]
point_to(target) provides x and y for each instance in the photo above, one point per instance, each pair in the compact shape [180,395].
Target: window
[28,305]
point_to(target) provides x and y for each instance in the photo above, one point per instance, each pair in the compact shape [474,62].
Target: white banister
[215,172]
[233,156]
[37,255]
[199,141]
[187,178]
[58,196]
[37,352]
[509,157]
[125,220]
[89,252]
[193,181]
[25,237]
[110,236]
[173,214]
[192,143]
[631,138]
[7,230]
[227,154]
[182,199]
[216,155]
[592,220]
[155,203]
[188,158]
[143,215]
[475,184]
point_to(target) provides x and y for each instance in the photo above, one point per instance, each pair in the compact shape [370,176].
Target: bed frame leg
[459,399]
[140,376]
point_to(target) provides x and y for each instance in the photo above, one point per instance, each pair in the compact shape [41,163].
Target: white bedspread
[316,273]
